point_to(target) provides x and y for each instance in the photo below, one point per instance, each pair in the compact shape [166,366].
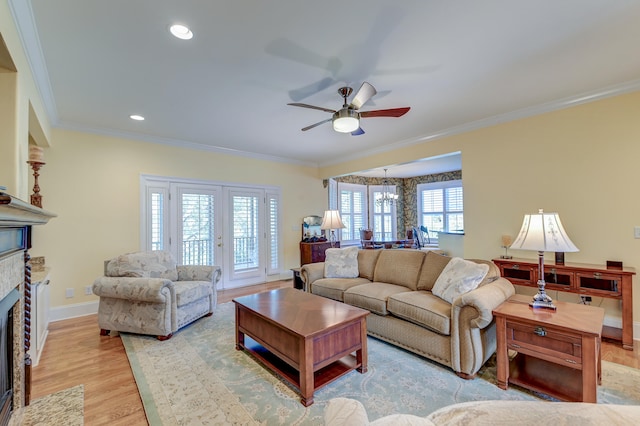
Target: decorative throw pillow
[458,277]
[341,263]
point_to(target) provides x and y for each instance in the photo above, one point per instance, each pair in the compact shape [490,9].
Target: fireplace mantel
[15,212]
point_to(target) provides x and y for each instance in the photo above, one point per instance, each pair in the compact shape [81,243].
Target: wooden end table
[308,340]
[558,352]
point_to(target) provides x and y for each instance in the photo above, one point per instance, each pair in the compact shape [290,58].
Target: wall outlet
[88,291]
[69,293]
[636,232]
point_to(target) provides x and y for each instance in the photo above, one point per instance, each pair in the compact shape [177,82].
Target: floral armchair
[147,293]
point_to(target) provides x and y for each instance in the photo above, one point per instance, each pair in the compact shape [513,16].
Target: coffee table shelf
[322,377]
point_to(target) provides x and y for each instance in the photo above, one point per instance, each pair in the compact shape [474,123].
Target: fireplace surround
[16,220]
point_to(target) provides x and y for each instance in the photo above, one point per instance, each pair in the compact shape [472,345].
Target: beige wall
[580,162]
[92,183]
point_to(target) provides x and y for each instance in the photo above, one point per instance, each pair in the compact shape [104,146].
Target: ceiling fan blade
[365,93]
[312,107]
[357,132]
[393,112]
[317,124]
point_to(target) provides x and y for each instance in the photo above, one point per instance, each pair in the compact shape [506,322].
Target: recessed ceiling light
[136,117]
[181,32]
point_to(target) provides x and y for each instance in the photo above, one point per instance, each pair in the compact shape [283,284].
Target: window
[440,207]
[383,216]
[352,203]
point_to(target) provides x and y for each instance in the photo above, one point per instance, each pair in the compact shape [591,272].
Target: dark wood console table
[583,279]
[314,252]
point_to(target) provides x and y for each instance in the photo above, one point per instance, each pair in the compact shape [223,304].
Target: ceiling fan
[347,119]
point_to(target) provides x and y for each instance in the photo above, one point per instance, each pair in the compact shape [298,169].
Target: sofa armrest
[485,299]
[154,290]
[199,273]
[310,273]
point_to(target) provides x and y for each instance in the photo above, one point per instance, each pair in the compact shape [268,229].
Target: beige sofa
[395,286]
[147,293]
[349,412]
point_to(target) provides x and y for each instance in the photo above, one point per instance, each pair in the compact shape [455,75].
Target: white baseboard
[59,313]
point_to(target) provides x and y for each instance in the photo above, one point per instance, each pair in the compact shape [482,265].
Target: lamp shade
[331,220]
[543,232]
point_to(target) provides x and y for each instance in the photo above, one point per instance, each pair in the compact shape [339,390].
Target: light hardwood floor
[75,353]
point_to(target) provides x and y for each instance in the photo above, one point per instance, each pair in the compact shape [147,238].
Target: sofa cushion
[190,291]
[145,264]
[333,288]
[367,262]
[422,308]
[372,296]
[432,266]
[341,262]
[458,277]
[400,267]
[492,275]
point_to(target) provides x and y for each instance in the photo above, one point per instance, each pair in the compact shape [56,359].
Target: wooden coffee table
[558,352]
[306,339]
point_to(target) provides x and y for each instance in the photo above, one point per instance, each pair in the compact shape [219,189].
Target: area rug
[198,377]
[65,407]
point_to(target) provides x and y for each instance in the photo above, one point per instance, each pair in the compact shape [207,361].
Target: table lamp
[332,221]
[543,232]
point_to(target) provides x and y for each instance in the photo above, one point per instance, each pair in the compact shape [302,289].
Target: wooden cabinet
[558,352]
[314,252]
[583,279]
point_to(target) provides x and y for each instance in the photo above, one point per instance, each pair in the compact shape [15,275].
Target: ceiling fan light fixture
[346,120]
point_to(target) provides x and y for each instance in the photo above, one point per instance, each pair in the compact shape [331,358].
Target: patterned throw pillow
[341,263]
[458,277]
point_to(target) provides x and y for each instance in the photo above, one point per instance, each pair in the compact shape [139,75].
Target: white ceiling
[458,64]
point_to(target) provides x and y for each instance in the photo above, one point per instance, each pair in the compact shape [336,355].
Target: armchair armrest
[310,273]
[199,273]
[155,290]
[485,299]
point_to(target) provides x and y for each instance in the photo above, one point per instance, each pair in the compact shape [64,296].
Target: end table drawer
[553,345]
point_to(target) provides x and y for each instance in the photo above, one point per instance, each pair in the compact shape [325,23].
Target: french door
[208,224]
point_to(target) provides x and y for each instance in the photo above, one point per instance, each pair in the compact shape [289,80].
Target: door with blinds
[197,228]
[236,228]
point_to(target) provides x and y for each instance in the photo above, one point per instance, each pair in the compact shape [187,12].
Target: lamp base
[542,300]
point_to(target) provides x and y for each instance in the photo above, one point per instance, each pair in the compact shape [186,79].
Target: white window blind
[245,232]
[383,223]
[441,207]
[273,226]
[197,229]
[352,204]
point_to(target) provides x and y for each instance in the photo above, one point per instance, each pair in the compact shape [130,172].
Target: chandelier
[387,197]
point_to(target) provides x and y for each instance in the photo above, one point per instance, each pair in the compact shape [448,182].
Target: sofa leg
[465,375]
[104,332]
[167,337]
[209,314]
